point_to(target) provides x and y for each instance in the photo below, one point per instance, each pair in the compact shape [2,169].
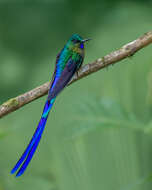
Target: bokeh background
[99,133]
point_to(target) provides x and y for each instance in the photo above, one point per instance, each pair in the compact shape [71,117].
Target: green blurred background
[99,134]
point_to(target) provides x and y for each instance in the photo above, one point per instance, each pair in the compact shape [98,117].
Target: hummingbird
[68,62]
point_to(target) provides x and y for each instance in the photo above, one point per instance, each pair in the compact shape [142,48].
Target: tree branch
[125,51]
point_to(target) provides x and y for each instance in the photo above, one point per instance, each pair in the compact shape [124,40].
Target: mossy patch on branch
[11,103]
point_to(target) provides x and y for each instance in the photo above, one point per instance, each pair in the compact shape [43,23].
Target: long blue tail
[32,146]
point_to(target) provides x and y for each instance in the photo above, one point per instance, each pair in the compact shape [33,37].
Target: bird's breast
[78,51]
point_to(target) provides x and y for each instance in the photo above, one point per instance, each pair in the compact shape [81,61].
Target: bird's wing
[56,66]
[60,81]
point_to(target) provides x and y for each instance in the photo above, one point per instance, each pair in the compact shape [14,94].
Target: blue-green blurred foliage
[99,133]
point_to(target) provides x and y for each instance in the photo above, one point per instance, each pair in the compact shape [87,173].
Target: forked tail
[26,157]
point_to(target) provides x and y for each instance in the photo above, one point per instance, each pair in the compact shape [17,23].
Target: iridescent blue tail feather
[31,148]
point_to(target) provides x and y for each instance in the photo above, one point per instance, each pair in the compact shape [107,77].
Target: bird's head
[76,43]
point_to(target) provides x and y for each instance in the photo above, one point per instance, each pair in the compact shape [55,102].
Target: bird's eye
[75,41]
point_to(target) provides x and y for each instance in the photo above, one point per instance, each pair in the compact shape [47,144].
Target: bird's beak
[85,40]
